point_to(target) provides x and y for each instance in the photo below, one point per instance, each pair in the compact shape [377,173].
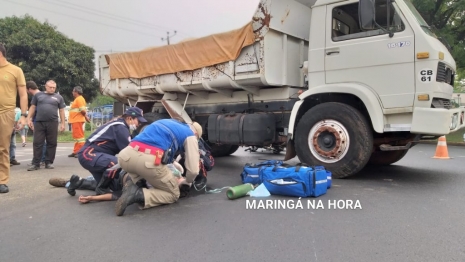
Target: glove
[174,171]
[178,167]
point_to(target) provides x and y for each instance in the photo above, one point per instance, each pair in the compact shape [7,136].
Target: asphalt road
[411,211]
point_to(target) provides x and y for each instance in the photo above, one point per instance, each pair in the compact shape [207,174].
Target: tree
[101,100]
[446,18]
[44,53]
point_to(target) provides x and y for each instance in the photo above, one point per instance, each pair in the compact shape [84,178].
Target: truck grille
[441,103]
[445,74]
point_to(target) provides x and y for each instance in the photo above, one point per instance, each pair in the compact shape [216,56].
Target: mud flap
[290,150]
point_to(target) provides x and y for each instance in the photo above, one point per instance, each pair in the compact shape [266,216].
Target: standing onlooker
[12,83]
[13,141]
[77,118]
[45,128]
[33,89]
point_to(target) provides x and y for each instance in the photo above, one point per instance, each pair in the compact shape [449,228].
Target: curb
[448,143]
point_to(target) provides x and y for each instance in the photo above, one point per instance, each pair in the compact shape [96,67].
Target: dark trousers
[45,131]
[97,164]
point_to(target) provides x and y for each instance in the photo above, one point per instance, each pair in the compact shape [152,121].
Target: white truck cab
[408,69]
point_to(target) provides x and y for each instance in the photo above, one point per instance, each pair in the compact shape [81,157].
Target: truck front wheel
[336,136]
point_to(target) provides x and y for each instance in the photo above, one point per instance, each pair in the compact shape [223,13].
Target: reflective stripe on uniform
[101,132]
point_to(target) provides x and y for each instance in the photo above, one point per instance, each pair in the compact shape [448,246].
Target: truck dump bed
[267,52]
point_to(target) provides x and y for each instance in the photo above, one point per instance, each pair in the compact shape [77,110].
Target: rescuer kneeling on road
[98,155]
[147,157]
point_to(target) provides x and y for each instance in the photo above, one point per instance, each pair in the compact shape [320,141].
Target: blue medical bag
[297,181]
[250,174]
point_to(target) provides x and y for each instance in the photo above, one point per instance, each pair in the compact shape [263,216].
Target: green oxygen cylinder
[239,191]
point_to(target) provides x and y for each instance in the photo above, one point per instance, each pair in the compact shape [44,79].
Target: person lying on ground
[84,199]
[90,183]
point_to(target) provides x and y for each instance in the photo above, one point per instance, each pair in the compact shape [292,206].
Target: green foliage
[459,86]
[446,17]
[44,53]
[65,136]
[90,127]
[101,100]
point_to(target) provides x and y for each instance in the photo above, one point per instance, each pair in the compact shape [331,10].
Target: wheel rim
[328,141]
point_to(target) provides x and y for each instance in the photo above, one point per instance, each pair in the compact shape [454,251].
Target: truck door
[371,58]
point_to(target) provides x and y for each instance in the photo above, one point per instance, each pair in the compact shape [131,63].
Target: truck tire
[222,150]
[336,136]
[150,117]
[233,149]
[385,158]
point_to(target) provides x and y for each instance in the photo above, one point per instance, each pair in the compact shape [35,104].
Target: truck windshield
[420,19]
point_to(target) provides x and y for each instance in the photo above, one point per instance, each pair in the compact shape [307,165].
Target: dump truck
[338,83]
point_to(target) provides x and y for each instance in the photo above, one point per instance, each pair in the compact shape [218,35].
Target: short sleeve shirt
[77,106]
[11,77]
[47,106]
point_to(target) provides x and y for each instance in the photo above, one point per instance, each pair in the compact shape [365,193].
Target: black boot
[142,183]
[131,194]
[74,183]
[184,191]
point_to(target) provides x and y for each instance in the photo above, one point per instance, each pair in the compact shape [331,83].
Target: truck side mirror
[367,14]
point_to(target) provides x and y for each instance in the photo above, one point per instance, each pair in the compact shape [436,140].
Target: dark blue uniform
[98,153]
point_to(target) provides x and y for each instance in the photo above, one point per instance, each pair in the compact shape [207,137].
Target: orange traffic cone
[441,149]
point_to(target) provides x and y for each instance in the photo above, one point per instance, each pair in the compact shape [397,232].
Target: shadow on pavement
[403,174]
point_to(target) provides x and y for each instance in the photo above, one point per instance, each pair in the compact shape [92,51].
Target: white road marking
[24,154]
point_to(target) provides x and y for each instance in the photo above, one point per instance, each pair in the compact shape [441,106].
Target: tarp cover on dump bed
[189,55]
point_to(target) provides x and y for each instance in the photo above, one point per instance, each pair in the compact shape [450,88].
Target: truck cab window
[346,24]
[339,28]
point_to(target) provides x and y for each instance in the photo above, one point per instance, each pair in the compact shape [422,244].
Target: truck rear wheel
[384,158]
[336,136]
[222,150]
[233,149]
[150,117]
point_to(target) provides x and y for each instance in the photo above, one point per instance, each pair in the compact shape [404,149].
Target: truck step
[387,147]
